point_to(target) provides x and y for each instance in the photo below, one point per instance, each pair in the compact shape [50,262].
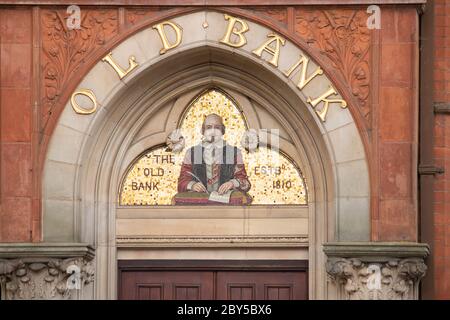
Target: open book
[222,198]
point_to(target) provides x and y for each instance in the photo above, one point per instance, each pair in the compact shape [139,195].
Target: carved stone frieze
[136,15]
[213,241]
[343,38]
[278,14]
[64,50]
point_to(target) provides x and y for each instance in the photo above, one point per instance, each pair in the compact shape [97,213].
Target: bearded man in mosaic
[213,165]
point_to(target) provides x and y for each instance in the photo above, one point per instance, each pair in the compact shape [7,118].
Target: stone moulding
[212,241]
[376,271]
[44,271]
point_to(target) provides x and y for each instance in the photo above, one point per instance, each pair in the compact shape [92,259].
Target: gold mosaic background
[274,178]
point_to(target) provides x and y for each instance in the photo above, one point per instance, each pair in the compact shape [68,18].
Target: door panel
[232,285]
[167,285]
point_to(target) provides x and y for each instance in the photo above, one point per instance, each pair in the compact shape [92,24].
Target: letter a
[275,52]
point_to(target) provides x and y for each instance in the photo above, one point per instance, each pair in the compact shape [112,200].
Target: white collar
[216,144]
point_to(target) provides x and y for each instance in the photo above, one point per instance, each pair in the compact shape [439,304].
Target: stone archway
[87,153]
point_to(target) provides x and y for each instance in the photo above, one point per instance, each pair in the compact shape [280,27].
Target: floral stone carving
[394,279]
[44,279]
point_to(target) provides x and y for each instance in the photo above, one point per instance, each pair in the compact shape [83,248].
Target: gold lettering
[121,72]
[162,34]
[84,92]
[274,51]
[231,30]
[323,98]
[303,81]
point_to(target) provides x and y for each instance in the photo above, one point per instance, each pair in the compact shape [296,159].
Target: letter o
[88,93]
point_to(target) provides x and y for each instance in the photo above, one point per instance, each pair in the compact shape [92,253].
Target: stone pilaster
[39,271]
[376,271]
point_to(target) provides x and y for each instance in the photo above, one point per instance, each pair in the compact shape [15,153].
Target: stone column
[45,271]
[376,271]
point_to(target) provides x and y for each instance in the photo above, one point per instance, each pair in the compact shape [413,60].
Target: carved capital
[394,279]
[45,271]
[44,279]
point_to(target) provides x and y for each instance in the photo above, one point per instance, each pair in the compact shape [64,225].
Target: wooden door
[210,280]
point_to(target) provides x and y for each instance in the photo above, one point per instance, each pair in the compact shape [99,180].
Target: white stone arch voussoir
[86,155]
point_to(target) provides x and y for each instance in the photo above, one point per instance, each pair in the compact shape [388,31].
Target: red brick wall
[16,125]
[441,254]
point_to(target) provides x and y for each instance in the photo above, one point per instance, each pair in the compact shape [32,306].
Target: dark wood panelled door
[208,280]
[282,285]
[167,285]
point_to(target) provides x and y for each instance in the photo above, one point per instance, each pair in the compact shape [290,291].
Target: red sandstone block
[388,27]
[396,211]
[15,26]
[16,114]
[36,220]
[395,71]
[395,114]
[407,24]
[16,218]
[15,65]
[392,232]
[395,170]
[16,175]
